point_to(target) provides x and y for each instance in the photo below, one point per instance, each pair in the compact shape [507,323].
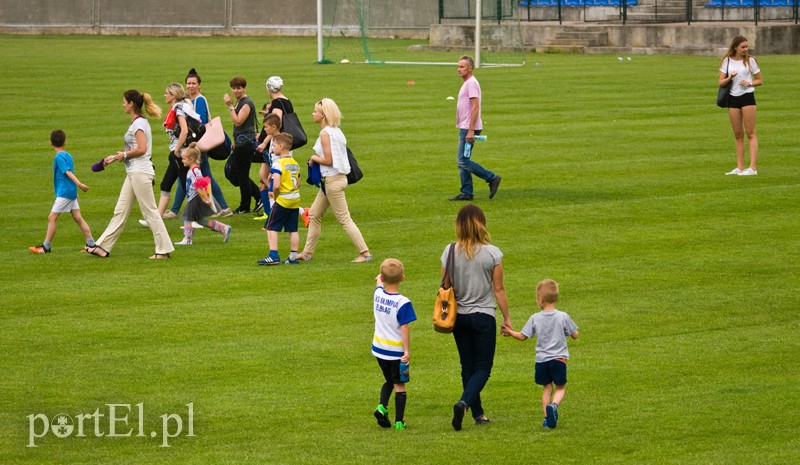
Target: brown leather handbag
[445,310]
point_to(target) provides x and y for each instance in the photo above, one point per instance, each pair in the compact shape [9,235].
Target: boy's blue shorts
[551,371]
[283,219]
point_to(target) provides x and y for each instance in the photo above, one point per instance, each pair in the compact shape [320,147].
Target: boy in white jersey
[393,312]
[552,327]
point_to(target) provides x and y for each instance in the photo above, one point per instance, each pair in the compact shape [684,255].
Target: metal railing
[660,11]
[498,10]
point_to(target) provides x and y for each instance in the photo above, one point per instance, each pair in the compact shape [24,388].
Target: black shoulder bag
[724,93]
[291,125]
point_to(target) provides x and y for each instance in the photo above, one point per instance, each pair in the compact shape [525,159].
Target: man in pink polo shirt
[469,124]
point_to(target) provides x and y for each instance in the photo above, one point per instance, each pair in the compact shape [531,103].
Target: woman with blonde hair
[331,156]
[478,285]
[200,105]
[178,129]
[139,177]
[741,70]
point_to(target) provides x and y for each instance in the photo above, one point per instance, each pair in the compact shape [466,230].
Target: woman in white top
[742,70]
[331,155]
[178,129]
[200,105]
[138,185]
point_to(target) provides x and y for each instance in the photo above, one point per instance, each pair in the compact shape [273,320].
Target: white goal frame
[477,55]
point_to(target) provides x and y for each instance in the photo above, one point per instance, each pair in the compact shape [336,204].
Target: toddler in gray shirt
[551,326]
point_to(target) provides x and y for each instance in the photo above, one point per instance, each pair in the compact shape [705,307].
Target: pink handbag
[213,137]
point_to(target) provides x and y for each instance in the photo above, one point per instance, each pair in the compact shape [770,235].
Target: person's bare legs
[163,203]
[51,226]
[547,392]
[735,115]
[749,118]
[558,396]
[87,233]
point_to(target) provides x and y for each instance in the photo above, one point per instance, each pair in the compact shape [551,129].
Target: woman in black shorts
[742,69]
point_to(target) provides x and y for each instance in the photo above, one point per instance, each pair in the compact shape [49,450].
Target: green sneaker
[398,425]
[382,415]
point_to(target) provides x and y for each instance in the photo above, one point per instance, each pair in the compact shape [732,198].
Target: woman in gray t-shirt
[478,286]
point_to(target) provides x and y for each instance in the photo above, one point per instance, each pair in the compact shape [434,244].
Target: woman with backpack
[177,126]
[200,105]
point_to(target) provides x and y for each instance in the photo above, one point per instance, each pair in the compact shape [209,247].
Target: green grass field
[684,282]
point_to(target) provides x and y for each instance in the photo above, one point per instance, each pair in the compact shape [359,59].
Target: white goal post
[328,34]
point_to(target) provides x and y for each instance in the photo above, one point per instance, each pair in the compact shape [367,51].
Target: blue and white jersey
[391,312]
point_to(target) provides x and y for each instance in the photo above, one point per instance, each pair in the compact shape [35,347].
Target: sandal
[362,259]
[159,256]
[93,251]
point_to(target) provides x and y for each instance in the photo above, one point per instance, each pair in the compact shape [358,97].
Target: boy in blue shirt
[66,187]
[552,327]
[393,312]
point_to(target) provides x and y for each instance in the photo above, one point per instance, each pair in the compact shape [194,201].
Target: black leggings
[242,159]
[175,170]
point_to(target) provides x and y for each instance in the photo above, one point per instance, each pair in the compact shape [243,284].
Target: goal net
[419,32]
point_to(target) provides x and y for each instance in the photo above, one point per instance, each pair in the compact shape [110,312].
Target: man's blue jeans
[467,167]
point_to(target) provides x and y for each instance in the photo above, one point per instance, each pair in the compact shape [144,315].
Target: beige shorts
[62,205]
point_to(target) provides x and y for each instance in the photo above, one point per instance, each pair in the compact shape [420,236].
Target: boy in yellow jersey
[285,189]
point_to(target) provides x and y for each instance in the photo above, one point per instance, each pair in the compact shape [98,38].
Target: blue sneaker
[289,261]
[269,261]
[552,415]
[544,424]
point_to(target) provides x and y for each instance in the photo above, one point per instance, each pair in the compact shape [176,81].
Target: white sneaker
[748,172]
[196,225]
[183,242]
[144,223]
[735,171]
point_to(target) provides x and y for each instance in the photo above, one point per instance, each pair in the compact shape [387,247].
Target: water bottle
[403,372]
[468,146]
[467,149]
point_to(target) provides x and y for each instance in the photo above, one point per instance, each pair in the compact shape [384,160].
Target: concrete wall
[156,17]
[389,18]
[698,39]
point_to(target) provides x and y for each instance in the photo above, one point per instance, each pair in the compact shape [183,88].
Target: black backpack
[196,130]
